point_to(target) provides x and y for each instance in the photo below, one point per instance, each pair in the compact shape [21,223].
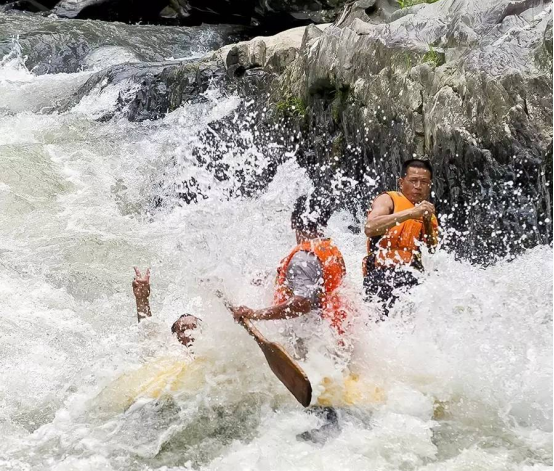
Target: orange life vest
[399,245]
[332,263]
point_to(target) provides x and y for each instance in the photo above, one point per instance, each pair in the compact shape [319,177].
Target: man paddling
[308,281]
[183,327]
[398,223]
[309,277]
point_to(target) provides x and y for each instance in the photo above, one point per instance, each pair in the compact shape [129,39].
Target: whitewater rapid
[465,361]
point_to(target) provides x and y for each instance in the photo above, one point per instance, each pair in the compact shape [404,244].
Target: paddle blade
[288,372]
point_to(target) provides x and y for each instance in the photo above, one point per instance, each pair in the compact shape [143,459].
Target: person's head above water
[184,328]
[415,180]
[310,216]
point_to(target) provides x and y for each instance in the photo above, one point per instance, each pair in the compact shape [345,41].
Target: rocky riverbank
[464,83]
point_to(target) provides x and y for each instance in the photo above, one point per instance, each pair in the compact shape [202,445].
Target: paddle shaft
[247,324]
[280,362]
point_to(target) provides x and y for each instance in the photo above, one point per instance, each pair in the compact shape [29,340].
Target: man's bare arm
[294,307]
[381,218]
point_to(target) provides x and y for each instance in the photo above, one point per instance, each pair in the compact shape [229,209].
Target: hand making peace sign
[141,284]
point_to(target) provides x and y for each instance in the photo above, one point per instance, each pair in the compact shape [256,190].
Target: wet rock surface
[465,84]
[150,90]
[52,45]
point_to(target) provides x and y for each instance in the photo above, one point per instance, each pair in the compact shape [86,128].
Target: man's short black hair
[174,325]
[312,213]
[416,163]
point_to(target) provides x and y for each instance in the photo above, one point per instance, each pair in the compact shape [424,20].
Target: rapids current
[465,362]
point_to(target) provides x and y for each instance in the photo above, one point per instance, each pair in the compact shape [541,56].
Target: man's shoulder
[384,200]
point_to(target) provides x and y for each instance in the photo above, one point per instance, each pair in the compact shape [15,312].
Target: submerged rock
[53,45]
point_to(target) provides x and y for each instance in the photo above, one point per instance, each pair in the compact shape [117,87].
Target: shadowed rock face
[270,16]
[273,15]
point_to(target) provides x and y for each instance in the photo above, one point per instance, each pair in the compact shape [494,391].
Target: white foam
[473,344]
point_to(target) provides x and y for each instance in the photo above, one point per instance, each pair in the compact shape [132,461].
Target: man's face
[184,330]
[416,185]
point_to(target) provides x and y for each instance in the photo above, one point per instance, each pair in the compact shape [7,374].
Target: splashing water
[464,362]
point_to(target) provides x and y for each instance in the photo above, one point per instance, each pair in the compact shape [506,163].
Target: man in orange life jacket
[397,224]
[309,277]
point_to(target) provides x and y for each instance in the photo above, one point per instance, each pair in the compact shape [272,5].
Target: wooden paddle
[281,363]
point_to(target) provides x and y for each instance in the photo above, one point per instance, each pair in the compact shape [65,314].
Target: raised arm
[141,290]
[381,218]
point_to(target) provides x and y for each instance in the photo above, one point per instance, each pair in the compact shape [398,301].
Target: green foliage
[292,106]
[432,57]
[411,3]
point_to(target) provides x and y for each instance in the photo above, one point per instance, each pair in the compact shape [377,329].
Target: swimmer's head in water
[184,328]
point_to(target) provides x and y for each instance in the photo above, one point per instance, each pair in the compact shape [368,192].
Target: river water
[464,363]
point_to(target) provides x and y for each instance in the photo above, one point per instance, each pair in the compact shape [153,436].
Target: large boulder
[464,83]
[149,90]
[271,53]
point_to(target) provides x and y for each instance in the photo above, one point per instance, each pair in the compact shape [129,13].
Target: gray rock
[53,45]
[72,8]
[272,53]
[548,36]
[465,83]
[369,11]
[150,90]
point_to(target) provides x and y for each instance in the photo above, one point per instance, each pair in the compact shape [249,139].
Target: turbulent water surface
[464,365]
